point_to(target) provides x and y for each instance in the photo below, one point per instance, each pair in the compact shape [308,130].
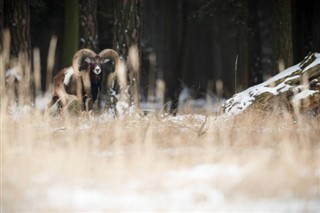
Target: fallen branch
[297,87]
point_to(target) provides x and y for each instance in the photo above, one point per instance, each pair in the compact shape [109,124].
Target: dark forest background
[199,44]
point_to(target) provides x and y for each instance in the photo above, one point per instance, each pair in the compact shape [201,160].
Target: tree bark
[88,24]
[71,31]
[127,35]
[255,72]
[316,26]
[127,26]
[179,66]
[1,24]
[282,34]
[248,71]
[17,19]
[174,28]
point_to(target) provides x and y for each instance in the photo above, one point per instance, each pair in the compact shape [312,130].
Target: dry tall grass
[255,161]
[277,158]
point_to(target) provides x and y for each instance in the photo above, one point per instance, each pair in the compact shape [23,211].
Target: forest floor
[191,162]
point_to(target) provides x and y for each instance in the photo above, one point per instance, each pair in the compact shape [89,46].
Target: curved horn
[110,53]
[78,56]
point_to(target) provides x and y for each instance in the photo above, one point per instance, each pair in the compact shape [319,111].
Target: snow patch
[303,95]
[207,172]
[188,189]
[315,62]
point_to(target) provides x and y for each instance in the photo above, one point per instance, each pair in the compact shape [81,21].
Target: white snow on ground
[41,101]
[16,111]
[188,117]
[195,188]
[210,104]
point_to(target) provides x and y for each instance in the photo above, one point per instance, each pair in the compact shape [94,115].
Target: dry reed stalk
[134,62]
[123,104]
[4,59]
[152,77]
[25,95]
[37,70]
[51,60]
[160,92]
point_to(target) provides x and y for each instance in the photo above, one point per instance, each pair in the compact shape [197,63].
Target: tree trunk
[296,88]
[88,24]
[126,36]
[71,31]
[242,65]
[255,72]
[179,66]
[17,19]
[174,29]
[166,21]
[316,26]
[1,23]
[127,26]
[249,66]
[282,34]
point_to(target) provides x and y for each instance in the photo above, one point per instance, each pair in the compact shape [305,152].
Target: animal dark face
[96,64]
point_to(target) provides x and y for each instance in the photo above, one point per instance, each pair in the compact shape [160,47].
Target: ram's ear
[87,59]
[105,60]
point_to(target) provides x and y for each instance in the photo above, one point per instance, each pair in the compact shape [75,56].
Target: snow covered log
[296,88]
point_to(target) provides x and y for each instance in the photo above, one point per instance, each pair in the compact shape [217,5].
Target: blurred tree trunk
[127,35]
[249,40]
[105,19]
[306,28]
[282,49]
[242,59]
[127,26]
[180,67]
[71,31]
[216,55]
[166,21]
[316,26]
[88,24]
[174,28]
[254,58]
[17,20]
[302,28]
[1,22]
